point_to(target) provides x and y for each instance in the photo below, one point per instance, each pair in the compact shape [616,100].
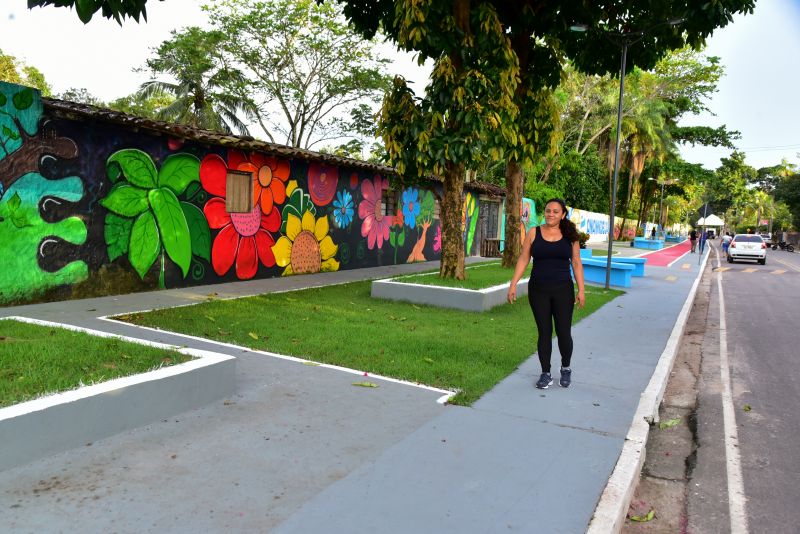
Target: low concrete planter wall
[475,300]
[48,425]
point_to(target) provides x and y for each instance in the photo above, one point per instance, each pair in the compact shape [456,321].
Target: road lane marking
[671,278]
[722,269]
[736,497]
[779,271]
[686,266]
[750,270]
[789,265]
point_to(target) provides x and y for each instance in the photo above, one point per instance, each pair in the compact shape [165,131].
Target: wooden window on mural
[239,192]
[389,201]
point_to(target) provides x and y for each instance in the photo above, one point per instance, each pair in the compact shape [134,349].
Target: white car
[747,247]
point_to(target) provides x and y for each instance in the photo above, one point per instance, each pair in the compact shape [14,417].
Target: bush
[582,239]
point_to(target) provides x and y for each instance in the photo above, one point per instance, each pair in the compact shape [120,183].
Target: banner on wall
[589,222]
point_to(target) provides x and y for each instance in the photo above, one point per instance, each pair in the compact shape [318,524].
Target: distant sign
[763,222]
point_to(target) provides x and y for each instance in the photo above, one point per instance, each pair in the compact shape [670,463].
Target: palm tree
[204,87]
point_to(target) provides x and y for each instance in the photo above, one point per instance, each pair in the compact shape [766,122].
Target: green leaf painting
[198,230]
[145,243]
[427,207]
[117,233]
[137,167]
[299,203]
[172,224]
[24,99]
[126,200]
[163,225]
[178,171]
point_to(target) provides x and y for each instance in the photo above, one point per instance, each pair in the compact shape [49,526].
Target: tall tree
[201,82]
[467,111]
[13,70]
[443,32]
[305,70]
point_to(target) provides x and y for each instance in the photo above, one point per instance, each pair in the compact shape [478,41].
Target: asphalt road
[763,347]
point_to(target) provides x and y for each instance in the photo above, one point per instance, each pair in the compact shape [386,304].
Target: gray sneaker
[566,377]
[544,381]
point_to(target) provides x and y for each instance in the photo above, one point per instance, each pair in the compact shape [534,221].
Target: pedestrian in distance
[693,239]
[653,233]
[726,241]
[554,248]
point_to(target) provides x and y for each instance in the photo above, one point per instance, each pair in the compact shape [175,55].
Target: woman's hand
[512,293]
[580,298]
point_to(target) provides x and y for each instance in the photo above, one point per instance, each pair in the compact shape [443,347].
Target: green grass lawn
[602,252]
[39,360]
[343,325]
[478,276]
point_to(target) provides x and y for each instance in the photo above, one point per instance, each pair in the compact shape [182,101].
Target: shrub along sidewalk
[343,325]
[39,360]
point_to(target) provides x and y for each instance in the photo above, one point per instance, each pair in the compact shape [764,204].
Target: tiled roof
[74,110]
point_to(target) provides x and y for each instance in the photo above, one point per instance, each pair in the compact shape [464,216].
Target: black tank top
[551,260]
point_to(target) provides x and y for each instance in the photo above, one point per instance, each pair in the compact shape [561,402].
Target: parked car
[767,237]
[747,247]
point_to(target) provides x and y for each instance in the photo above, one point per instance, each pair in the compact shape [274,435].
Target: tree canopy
[304,69]
[86,9]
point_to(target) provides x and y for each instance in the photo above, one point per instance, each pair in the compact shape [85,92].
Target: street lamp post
[625,40]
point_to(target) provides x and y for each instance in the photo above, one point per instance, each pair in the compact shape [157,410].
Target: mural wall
[90,208]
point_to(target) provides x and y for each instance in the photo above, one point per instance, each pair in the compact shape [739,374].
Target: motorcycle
[783,245]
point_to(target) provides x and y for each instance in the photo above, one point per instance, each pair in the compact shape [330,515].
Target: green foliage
[14,71]
[582,178]
[146,217]
[541,192]
[301,57]
[788,192]
[203,94]
[85,9]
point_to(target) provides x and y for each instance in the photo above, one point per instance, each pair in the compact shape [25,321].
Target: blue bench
[595,271]
[638,263]
[649,244]
[675,238]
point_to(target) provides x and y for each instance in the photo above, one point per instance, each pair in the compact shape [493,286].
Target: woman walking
[554,247]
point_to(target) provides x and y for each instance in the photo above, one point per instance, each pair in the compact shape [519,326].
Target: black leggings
[551,303]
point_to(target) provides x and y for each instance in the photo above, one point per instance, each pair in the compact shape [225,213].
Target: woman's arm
[522,262]
[577,270]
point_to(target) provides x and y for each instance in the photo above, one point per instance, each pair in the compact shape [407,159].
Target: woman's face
[553,213]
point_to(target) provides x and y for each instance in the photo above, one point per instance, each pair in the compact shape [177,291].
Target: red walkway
[663,257]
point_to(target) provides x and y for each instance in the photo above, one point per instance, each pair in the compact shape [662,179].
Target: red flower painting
[244,238]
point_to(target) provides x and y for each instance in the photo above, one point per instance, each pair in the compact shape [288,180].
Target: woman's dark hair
[566,226]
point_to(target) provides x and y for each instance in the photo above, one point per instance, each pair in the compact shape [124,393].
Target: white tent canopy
[711,220]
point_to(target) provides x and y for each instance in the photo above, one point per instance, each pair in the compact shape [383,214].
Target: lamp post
[625,39]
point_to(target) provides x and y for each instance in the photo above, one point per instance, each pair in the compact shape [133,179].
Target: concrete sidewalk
[300,450]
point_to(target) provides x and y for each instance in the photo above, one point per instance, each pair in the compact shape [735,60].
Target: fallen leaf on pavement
[747,407]
[644,518]
[670,423]
[365,384]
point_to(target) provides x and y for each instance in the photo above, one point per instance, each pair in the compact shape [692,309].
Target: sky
[757,96]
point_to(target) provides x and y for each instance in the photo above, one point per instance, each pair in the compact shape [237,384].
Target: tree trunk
[26,158]
[452,262]
[513,242]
